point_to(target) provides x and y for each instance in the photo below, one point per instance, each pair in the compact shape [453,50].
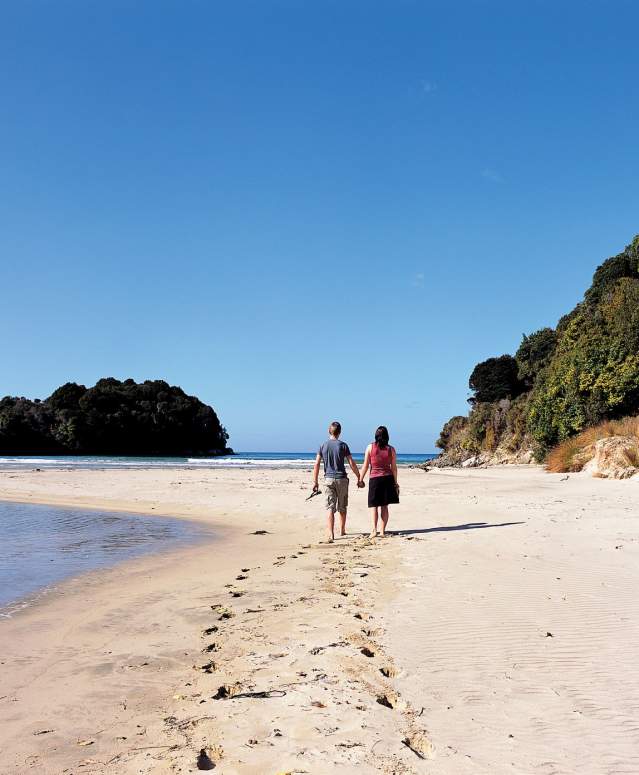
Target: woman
[382,487]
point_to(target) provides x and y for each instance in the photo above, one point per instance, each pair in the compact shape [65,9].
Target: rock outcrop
[616,457]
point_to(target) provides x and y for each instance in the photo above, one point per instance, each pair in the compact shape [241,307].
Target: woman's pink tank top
[380,461]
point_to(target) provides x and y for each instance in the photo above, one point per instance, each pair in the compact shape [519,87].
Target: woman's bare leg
[375,517]
[384,520]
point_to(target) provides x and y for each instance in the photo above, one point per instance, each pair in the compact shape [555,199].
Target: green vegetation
[495,379]
[560,381]
[111,418]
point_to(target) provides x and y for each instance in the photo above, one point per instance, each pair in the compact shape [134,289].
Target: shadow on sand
[450,528]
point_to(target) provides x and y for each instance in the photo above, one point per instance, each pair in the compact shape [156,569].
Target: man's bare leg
[330,525]
[342,523]
[375,517]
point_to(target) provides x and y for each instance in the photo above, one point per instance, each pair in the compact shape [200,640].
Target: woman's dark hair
[381,437]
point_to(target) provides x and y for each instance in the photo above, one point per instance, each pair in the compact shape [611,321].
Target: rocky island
[150,418]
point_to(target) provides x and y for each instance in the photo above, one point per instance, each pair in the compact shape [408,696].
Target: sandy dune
[496,634]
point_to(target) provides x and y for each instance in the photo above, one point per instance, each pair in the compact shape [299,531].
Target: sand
[497,633]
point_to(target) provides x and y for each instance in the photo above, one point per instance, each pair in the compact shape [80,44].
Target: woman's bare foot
[373,534]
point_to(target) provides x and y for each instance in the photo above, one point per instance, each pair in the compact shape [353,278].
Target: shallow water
[42,545]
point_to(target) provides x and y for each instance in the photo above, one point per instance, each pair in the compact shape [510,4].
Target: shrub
[450,431]
[594,373]
[572,454]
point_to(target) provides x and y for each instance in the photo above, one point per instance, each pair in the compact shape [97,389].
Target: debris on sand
[226,691]
[419,743]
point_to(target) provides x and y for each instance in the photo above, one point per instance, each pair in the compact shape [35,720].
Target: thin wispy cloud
[418,280]
[428,87]
[490,174]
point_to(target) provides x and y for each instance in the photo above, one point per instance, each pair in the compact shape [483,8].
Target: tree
[626,264]
[67,396]
[494,379]
[534,354]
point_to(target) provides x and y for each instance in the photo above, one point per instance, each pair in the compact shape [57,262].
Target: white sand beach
[497,633]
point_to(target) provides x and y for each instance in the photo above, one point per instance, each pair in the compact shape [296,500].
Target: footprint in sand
[388,699]
[204,761]
[225,613]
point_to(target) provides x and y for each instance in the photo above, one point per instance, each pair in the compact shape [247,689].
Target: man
[333,453]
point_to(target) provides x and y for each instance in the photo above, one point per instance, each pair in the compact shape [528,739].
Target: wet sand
[495,634]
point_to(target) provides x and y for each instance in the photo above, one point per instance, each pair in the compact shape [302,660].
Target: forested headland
[111,418]
[561,382]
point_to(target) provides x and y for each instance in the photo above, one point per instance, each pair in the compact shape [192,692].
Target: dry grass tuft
[573,454]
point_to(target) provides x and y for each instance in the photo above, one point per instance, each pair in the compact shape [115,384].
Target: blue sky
[305,211]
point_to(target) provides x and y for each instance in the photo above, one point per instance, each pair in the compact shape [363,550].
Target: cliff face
[560,381]
[492,434]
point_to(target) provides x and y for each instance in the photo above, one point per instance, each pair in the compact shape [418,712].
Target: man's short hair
[335,428]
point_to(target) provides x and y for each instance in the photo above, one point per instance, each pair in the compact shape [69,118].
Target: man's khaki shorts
[336,494]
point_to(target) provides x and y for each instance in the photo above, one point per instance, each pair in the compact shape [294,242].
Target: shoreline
[431,643]
[194,534]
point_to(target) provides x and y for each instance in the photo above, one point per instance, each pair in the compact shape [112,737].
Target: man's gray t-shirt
[334,452]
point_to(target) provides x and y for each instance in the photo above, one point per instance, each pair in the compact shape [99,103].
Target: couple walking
[383,489]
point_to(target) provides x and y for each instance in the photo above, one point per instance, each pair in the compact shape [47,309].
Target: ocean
[43,545]
[249,460]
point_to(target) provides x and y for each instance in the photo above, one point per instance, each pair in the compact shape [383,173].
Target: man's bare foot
[373,534]
[342,532]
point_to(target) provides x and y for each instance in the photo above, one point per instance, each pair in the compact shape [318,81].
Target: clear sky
[304,211]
